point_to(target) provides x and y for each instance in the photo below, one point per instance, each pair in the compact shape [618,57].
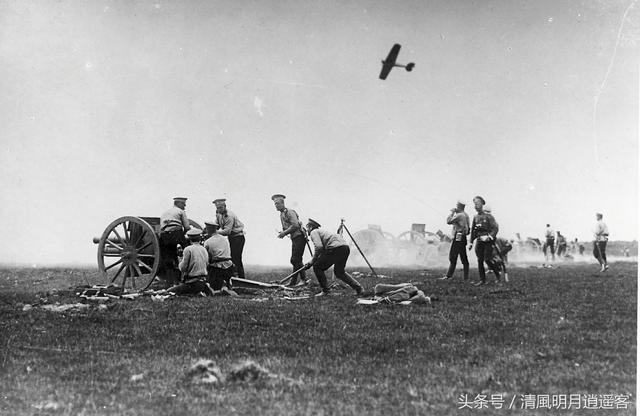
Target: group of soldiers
[214,257]
[330,249]
[210,260]
[492,250]
[213,261]
[483,230]
[556,244]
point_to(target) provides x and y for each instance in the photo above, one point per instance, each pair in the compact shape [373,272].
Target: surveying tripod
[344,227]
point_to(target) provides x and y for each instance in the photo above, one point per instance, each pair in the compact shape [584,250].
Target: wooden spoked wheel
[129,253]
[411,238]
[411,246]
[377,246]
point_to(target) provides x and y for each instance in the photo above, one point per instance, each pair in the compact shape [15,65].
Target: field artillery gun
[377,245]
[418,246]
[129,251]
[414,247]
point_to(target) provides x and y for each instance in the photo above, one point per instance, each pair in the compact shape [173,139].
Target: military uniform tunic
[232,227]
[292,227]
[485,229]
[459,222]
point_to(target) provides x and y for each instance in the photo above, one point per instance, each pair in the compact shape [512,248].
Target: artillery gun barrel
[96,240]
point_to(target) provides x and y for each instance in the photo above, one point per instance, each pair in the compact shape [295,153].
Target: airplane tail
[410,66]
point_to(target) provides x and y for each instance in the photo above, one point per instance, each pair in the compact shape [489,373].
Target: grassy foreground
[563,331]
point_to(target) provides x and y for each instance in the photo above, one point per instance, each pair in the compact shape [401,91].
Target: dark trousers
[562,249]
[550,244]
[191,286]
[600,251]
[458,248]
[168,267]
[236,244]
[217,277]
[484,252]
[297,250]
[337,258]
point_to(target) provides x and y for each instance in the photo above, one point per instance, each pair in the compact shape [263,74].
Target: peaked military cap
[219,200]
[277,196]
[180,199]
[194,232]
[211,223]
[313,223]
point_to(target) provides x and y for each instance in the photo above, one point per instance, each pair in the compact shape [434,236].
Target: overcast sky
[111,108]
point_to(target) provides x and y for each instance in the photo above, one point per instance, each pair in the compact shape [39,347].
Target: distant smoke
[258,104]
[390,254]
[403,254]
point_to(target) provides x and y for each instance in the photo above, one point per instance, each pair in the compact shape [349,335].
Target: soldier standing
[292,226]
[330,249]
[501,246]
[484,229]
[601,236]
[173,226]
[574,247]
[562,245]
[459,220]
[549,243]
[233,228]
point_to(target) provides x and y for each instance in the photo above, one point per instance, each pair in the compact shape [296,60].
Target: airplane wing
[386,68]
[388,63]
[393,54]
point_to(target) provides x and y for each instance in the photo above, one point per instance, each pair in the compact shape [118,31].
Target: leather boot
[352,282]
[322,280]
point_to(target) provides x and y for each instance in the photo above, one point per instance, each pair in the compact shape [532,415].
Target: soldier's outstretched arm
[226,225]
[185,221]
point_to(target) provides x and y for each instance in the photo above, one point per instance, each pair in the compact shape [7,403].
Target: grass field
[557,332]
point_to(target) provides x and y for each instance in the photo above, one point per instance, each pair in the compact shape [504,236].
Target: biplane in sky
[390,62]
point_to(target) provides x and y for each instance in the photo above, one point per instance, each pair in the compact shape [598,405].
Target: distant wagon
[129,251]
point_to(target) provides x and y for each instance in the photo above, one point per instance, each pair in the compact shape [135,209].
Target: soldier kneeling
[193,267]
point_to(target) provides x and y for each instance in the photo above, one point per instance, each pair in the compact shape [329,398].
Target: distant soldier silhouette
[549,246]
[562,245]
[601,236]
